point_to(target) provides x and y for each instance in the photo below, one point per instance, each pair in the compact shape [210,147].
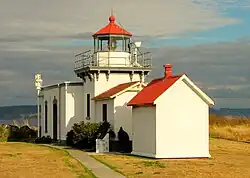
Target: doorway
[104,112]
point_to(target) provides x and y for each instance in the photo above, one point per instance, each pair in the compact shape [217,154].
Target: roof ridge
[114,90]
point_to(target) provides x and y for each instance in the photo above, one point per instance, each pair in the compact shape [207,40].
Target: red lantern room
[114,53]
[112,38]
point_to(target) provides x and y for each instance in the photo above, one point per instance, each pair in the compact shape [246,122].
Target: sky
[209,40]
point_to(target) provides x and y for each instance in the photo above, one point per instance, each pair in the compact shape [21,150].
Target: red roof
[112,29]
[153,90]
[113,91]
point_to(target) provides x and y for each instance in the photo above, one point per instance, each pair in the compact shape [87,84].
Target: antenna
[112,11]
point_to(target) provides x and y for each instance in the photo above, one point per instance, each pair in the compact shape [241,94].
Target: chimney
[168,70]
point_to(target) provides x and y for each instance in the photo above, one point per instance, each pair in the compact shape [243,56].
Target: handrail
[85,59]
[82,53]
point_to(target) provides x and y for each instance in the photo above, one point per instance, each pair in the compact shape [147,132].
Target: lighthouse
[112,89]
[115,59]
[111,74]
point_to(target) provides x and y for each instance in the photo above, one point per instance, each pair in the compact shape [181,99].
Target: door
[104,113]
[55,119]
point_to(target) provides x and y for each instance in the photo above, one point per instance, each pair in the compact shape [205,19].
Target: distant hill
[19,113]
[231,112]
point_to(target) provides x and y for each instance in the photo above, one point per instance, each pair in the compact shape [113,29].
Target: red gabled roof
[153,90]
[112,29]
[113,91]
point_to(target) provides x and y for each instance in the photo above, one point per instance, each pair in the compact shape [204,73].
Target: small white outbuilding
[170,118]
[111,106]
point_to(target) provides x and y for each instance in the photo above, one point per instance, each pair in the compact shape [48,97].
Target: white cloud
[61,17]
[32,30]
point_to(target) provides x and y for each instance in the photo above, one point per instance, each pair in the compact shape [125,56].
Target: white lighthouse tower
[114,60]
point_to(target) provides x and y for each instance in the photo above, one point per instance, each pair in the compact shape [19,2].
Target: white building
[61,107]
[168,118]
[112,73]
[171,118]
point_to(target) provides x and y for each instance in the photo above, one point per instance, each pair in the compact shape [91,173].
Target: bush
[26,132]
[84,135]
[3,133]
[19,134]
[103,130]
[44,140]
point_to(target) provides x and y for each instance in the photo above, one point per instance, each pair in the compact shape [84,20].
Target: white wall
[182,123]
[89,88]
[113,59]
[123,113]
[69,107]
[114,79]
[49,95]
[74,105]
[41,103]
[98,111]
[96,87]
[144,133]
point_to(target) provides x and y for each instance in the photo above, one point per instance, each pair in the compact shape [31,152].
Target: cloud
[43,36]
[66,18]
[221,70]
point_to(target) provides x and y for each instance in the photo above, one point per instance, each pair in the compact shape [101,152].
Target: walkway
[99,170]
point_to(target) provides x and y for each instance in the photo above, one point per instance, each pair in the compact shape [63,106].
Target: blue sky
[228,33]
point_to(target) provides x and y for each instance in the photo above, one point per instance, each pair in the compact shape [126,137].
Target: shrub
[44,140]
[22,133]
[84,135]
[13,131]
[103,130]
[3,133]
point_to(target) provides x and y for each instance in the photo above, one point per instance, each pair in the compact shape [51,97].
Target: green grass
[39,161]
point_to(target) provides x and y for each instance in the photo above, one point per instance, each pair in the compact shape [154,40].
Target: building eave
[142,105]
[198,91]
[68,83]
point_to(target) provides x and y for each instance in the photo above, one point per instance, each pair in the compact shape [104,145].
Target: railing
[89,59]
[83,59]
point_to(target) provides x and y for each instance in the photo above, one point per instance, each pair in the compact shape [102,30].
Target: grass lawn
[229,159]
[24,160]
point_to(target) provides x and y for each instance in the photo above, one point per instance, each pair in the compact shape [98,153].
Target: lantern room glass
[112,43]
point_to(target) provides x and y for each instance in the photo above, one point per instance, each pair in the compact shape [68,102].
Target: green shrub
[3,133]
[24,132]
[44,140]
[84,135]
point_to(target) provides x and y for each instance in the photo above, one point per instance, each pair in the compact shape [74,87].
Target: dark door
[54,120]
[104,113]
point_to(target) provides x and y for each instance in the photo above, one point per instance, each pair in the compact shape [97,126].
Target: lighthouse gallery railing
[89,59]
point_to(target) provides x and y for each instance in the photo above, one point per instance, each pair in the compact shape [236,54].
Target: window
[46,116]
[104,113]
[88,105]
